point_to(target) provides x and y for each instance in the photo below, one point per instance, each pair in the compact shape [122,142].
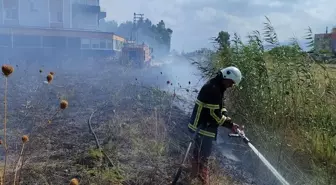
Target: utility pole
[136,18]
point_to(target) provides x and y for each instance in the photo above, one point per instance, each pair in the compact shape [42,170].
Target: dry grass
[138,127]
[16,166]
[145,145]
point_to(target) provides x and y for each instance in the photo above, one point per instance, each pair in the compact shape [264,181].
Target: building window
[90,20]
[92,2]
[103,44]
[10,9]
[109,44]
[32,6]
[11,13]
[88,2]
[54,42]
[5,40]
[95,43]
[27,41]
[60,16]
[56,11]
[74,43]
[85,44]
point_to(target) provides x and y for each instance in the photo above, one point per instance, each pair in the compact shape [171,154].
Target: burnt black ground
[93,85]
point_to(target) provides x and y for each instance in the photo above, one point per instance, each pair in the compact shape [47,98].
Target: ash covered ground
[139,120]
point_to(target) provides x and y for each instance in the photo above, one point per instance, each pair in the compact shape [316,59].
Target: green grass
[287,102]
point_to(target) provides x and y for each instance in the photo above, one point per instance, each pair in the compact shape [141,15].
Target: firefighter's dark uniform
[207,114]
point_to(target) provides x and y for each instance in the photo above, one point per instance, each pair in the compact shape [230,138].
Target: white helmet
[232,73]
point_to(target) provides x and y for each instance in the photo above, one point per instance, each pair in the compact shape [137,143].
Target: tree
[109,26]
[223,39]
[156,36]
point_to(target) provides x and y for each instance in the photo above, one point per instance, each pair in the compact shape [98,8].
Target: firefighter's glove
[235,128]
[228,121]
[224,112]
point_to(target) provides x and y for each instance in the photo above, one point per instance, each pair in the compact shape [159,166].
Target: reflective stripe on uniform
[206,105]
[198,114]
[202,132]
[212,108]
[220,121]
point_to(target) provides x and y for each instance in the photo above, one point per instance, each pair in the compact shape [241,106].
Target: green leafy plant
[285,95]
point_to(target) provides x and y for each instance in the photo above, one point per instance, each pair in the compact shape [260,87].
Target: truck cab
[138,54]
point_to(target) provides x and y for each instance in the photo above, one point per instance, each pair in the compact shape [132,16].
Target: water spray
[241,134]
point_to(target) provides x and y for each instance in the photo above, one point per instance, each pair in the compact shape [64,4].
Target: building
[322,42]
[325,42]
[54,26]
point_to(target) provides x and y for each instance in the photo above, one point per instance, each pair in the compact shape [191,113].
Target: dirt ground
[137,125]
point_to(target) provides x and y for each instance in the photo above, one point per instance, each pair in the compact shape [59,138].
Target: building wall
[333,40]
[33,13]
[88,2]
[49,13]
[85,21]
[67,13]
[56,13]
[333,46]
[118,42]
[1,12]
[10,11]
[323,42]
[58,38]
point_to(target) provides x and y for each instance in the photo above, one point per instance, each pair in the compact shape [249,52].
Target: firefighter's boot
[204,175]
[194,168]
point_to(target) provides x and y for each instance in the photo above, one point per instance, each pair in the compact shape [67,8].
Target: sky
[194,22]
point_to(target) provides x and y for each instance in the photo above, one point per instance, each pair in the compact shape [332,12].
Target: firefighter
[209,114]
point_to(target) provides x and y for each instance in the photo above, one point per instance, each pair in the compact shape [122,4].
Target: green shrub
[286,100]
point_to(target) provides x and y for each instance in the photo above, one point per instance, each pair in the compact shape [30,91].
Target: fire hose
[242,135]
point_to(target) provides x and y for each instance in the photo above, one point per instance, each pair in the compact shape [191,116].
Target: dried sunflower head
[50,77]
[74,181]
[64,104]
[7,70]
[25,139]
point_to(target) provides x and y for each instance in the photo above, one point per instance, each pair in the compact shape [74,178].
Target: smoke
[159,49]
[181,71]
[181,78]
